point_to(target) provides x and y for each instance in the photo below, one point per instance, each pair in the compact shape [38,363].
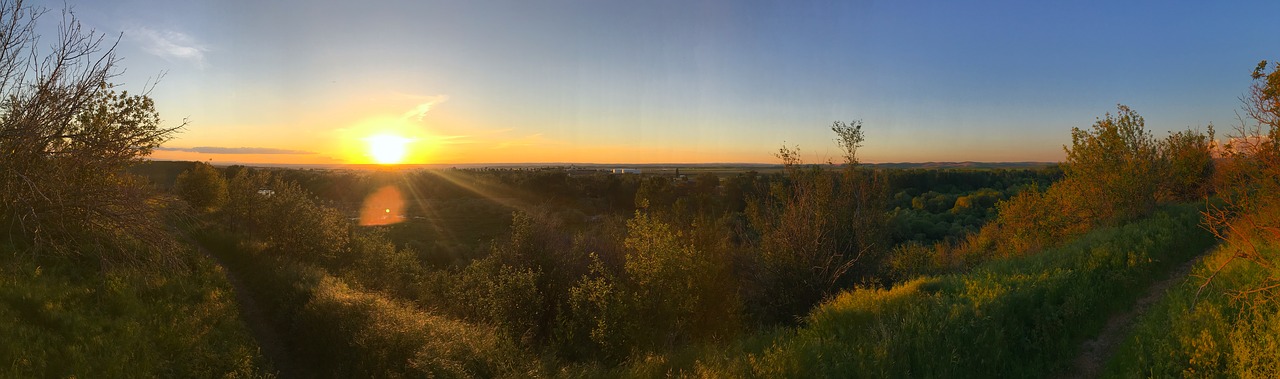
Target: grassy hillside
[60,320]
[1219,334]
[336,329]
[1022,317]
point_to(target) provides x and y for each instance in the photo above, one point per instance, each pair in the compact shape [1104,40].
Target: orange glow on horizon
[388,148]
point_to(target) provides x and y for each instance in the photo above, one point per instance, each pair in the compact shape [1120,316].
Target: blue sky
[676,81]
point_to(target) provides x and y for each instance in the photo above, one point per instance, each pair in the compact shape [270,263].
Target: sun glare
[388,148]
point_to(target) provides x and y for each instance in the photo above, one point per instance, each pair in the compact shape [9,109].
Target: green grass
[1023,317]
[60,320]
[1217,335]
[338,330]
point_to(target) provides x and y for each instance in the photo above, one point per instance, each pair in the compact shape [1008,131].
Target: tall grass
[1021,317]
[1218,334]
[336,330]
[58,319]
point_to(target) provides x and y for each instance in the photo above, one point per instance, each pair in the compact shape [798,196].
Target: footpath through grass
[1219,334]
[335,329]
[1022,317]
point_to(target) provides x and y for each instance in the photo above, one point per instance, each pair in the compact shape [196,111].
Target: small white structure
[626,171]
[266,192]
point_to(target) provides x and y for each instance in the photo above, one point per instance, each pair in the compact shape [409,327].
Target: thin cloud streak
[235,150]
[170,44]
[420,111]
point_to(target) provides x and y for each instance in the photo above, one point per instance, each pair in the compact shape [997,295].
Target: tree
[849,136]
[816,227]
[679,292]
[1189,158]
[203,187]
[1113,167]
[1248,218]
[66,137]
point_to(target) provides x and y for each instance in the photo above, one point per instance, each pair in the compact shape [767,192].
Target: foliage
[1021,317]
[677,293]
[850,137]
[1115,171]
[1209,333]
[65,139]
[1189,156]
[288,219]
[339,330]
[202,186]
[61,320]
[1249,216]
[813,228]
[1112,168]
[944,206]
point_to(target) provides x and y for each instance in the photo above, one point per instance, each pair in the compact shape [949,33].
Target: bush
[677,293]
[203,187]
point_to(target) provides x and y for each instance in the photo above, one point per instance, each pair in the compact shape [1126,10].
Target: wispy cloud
[420,111]
[170,44]
[453,140]
[234,150]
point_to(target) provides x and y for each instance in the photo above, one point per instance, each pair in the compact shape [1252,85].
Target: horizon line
[556,164]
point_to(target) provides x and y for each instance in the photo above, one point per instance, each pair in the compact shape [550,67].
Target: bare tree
[1248,218]
[66,137]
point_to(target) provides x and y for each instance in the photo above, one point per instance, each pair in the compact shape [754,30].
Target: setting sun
[388,148]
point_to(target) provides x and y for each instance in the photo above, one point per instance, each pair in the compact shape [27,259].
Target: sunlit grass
[1021,317]
[1215,335]
[60,321]
[342,330]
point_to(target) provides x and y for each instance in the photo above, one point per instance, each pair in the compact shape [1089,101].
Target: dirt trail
[273,347]
[1095,352]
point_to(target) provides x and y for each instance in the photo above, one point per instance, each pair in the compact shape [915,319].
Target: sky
[295,81]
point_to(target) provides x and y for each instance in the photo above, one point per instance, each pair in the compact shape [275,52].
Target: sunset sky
[673,81]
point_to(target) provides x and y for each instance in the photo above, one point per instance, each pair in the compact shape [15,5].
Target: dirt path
[273,347]
[1095,352]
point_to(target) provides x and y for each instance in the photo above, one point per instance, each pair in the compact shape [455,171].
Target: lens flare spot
[387,199]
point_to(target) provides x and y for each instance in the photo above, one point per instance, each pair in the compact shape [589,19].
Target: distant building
[626,171]
[266,192]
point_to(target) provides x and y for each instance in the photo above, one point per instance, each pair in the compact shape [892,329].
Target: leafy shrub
[202,186]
